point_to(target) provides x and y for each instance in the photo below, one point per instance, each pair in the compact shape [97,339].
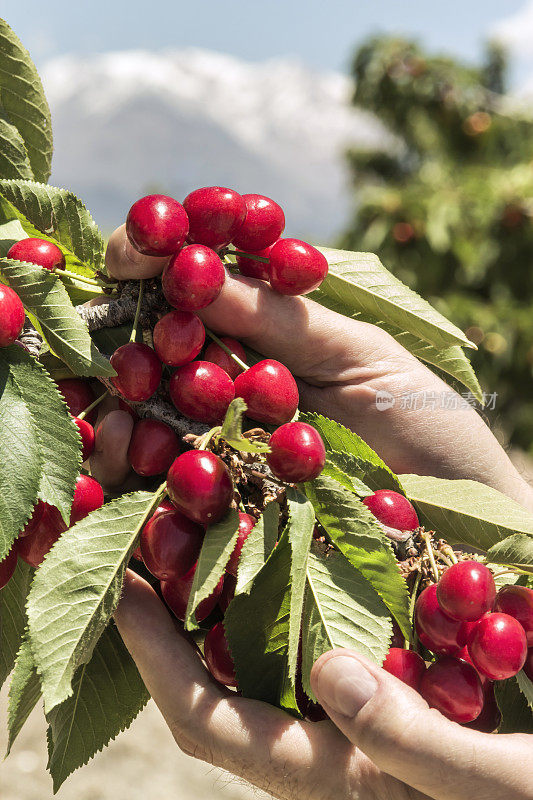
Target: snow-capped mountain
[130,122]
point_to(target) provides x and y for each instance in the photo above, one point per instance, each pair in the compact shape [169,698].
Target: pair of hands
[384,743]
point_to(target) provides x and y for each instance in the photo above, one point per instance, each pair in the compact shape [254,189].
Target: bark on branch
[121,310]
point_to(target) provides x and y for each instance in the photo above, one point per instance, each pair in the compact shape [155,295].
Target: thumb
[396,729]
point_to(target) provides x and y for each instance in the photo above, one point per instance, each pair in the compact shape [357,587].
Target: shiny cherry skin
[86,432]
[528,664]
[497,645]
[392,509]
[246,523]
[176,595]
[218,356]
[12,316]
[78,396]
[437,631]
[490,716]
[37,251]
[297,452]
[406,665]
[228,592]
[138,371]
[262,226]
[202,391]
[466,591]
[8,566]
[170,545]
[269,391]
[164,505]
[218,657]
[199,484]
[88,496]
[453,687]
[153,447]
[296,267]
[215,215]
[46,526]
[157,225]
[178,337]
[193,278]
[255,268]
[517,601]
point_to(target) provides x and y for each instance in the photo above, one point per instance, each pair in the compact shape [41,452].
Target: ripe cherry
[123,406]
[153,447]
[157,225]
[199,484]
[78,396]
[270,392]
[8,566]
[246,523]
[176,595]
[517,601]
[86,432]
[453,687]
[466,591]
[437,631]
[42,531]
[490,716]
[37,251]
[406,665]
[218,657]
[215,215]
[193,278]
[170,545]
[263,224]
[218,356]
[164,505]
[202,391]
[528,664]
[296,267]
[88,496]
[255,268]
[178,337]
[228,592]
[392,509]
[138,371]
[12,316]
[498,646]
[297,452]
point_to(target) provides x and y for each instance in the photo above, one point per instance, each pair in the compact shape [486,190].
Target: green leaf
[341,610]
[345,469]
[44,295]
[219,543]
[257,547]
[356,533]
[300,532]
[232,429]
[108,693]
[526,687]
[516,550]
[13,617]
[517,716]
[24,692]
[23,105]
[14,159]
[466,512]
[77,588]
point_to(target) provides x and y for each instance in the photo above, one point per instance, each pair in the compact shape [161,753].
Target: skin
[383,742]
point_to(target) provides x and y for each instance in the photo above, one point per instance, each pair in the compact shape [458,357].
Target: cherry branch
[121,310]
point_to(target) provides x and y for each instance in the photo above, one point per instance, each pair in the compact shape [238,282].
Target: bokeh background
[404,128]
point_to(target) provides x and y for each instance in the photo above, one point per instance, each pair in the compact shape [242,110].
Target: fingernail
[345,685]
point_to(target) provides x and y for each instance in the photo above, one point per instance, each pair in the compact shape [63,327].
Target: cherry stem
[412,601]
[256,474]
[74,275]
[93,405]
[204,441]
[431,556]
[226,349]
[513,571]
[448,551]
[248,255]
[137,312]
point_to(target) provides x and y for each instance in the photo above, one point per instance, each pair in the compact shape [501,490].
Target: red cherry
[246,523]
[490,716]
[199,484]
[397,636]
[406,665]
[88,496]
[218,356]
[528,664]
[37,251]
[218,657]
[46,526]
[176,595]
[39,511]
[228,592]
[164,505]
[78,396]
[269,391]
[392,509]
[437,631]
[123,406]
[178,337]
[87,437]
[8,566]
[138,371]
[153,447]
[466,591]
[193,278]
[255,269]
[215,215]
[170,545]
[263,224]
[202,391]
[12,316]
[517,601]
[157,225]
[453,687]
[296,267]
[498,646]
[315,713]
[297,452]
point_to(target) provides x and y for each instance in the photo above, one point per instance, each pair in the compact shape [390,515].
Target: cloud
[516,32]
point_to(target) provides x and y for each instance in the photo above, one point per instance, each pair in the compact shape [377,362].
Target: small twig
[431,556]
[31,339]
[122,310]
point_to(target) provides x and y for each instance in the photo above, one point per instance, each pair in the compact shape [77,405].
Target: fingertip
[109,462]
[124,262]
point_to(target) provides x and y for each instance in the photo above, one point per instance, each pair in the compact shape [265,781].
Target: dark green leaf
[24,692]
[517,716]
[257,547]
[300,532]
[516,550]
[13,617]
[526,687]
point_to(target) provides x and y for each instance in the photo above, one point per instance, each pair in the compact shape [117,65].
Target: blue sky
[322,33]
